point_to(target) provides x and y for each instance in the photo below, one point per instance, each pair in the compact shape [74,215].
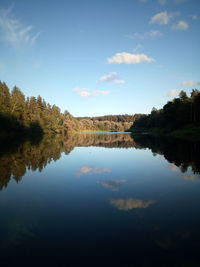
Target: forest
[33,116]
[20,115]
[180,116]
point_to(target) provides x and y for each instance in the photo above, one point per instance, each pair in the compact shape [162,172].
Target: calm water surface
[102,200]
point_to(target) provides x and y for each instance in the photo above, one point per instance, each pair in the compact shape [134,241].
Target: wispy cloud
[137,48]
[112,77]
[128,58]
[164,2]
[173,93]
[194,16]
[141,36]
[143,1]
[91,169]
[131,203]
[161,18]
[14,31]
[190,83]
[86,92]
[181,25]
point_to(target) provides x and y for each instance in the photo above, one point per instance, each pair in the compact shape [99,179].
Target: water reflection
[14,163]
[91,169]
[113,184]
[182,154]
[131,203]
[127,203]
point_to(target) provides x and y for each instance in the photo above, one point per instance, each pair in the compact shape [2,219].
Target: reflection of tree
[181,153]
[110,140]
[26,156]
[16,159]
[131,203]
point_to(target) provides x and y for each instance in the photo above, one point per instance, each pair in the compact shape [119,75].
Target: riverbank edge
[189,132]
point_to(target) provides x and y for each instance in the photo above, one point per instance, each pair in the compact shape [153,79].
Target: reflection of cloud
[173,167]
[190,177]
[90,169]
[165,243]
[173,240]
[131,203]
[113,184]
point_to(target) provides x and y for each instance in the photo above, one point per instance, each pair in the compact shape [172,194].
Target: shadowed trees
[176,114]
[24,113]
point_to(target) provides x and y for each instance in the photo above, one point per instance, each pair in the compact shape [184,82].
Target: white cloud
[142,36]
[161,18]
[13,30]
[128,58]
[86,92]
[190,83]
[111,77]
[173,93]
[108,77]
[180,25]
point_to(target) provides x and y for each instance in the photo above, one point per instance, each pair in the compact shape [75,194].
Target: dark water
[100,200]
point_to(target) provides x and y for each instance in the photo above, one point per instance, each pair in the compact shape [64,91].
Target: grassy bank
[189,132]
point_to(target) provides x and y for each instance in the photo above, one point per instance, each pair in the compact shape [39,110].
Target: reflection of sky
[138,181]
[126,195]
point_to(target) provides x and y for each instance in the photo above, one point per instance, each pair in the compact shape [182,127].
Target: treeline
[33,115]
[176,114]
[20,114]
[16,160]
[113,123]
[114,118]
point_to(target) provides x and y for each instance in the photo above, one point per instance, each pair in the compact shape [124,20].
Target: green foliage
[20,114]
[176,114]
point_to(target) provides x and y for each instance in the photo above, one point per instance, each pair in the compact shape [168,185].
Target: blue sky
[97,57]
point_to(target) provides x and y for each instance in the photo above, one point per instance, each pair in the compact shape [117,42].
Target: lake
[100,199]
